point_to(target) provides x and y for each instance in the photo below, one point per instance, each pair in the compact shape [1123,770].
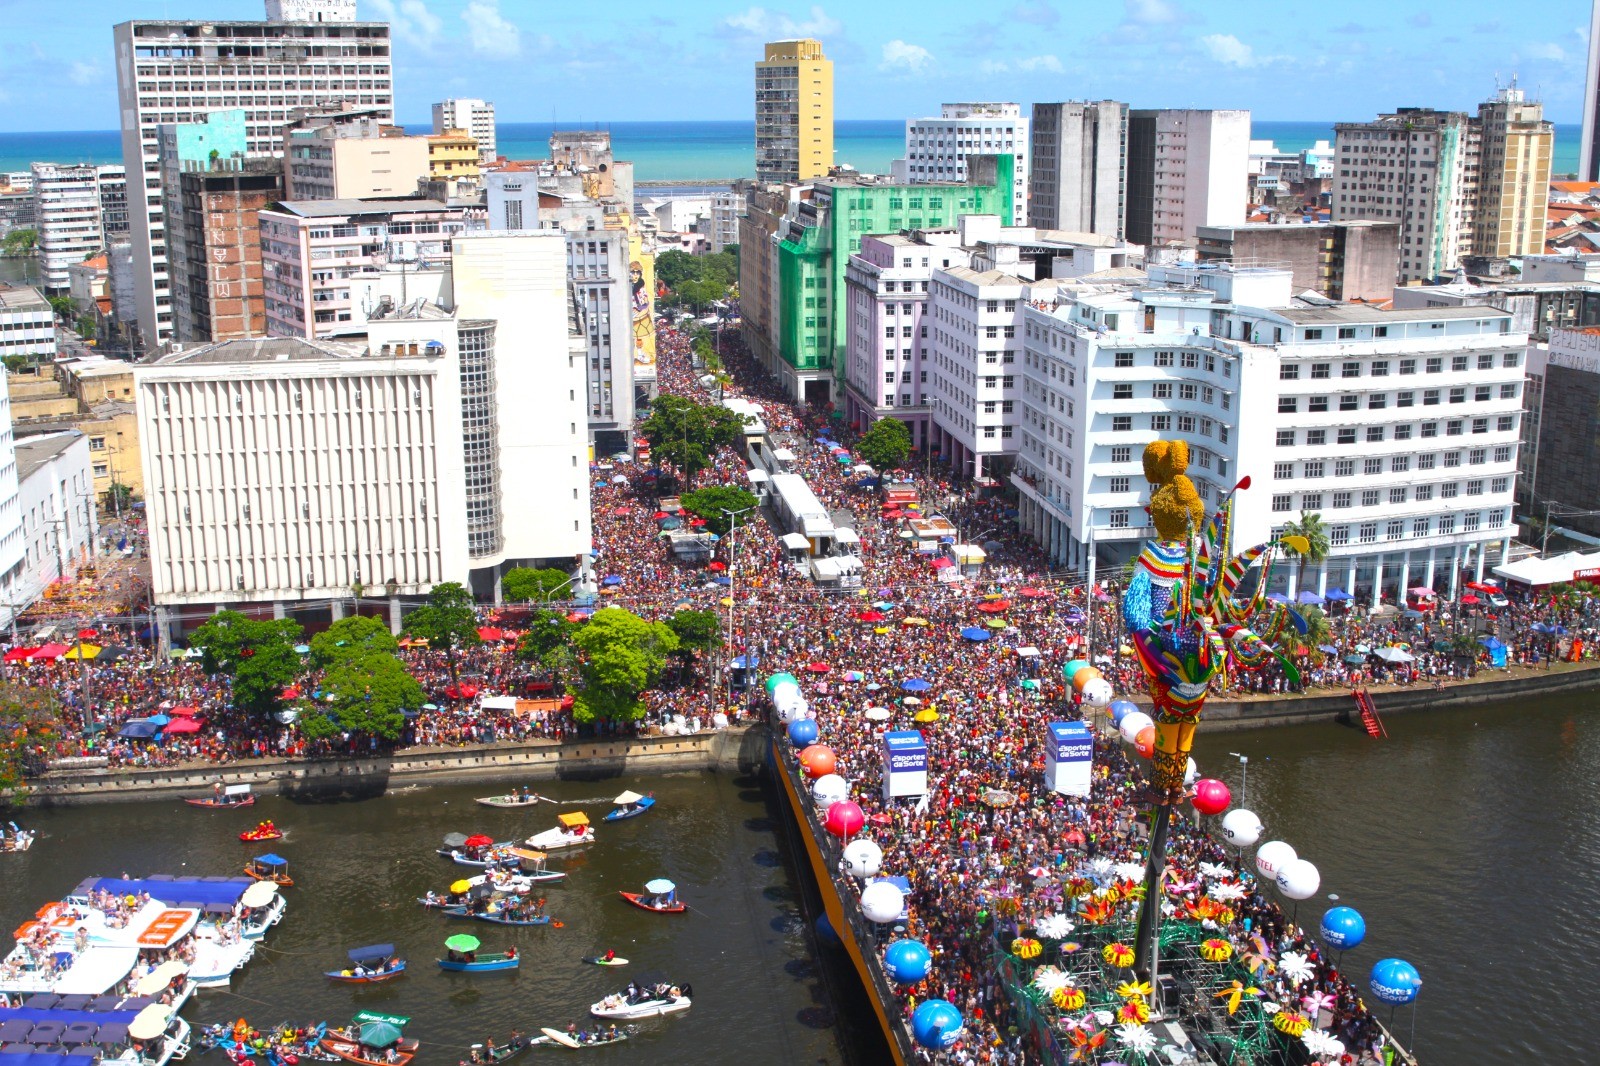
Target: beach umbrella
[83,651]
[462,942]
[183,725]
[611,579]
[927,714]
[158,719]
[722,579]
[975,634]
[1393,655]
[378,1034]
[717,565]
[911,701]
[915,684]
[1355,660]
[660,886]
[997,623]
[1328,649]
[478,840]
[460,886]
[877,714]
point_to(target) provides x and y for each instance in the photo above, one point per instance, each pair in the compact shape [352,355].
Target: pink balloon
[845,819]
[1211,796]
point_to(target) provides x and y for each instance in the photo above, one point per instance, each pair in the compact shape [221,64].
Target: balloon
[1211,796]
[862,858]
[798,710]
[1395,981]
[1097,693]
[1343,928]
[1084,676]
[1273,856]
[1190,772]
[826,933]
[777,679]
[1131,725]
[1145,742]
[1073,666]
[844,819]
[829,789]
[818,760]
[803,732]
[937,1024]
[1120,708]
[882,901]
[907,961]
[1241,827]
[1298,879]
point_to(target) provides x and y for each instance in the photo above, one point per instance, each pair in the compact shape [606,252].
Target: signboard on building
[1068,758]
[905,764]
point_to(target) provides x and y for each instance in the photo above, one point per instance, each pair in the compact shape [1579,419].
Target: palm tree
[1311,527]
[1318,631]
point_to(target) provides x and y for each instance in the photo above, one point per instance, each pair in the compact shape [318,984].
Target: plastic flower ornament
[1117,954]
[1235,993]
[1215,950]
[1047,979]
[1129,871]
[1321,1045]
[1136,1038]
[1067,997]
[1130,989]
[1317,1000]
[1295,966]
[1055,927]
[1025,947]
[1227,893]
[1291,1023]
[1215,871]
[1136,1011]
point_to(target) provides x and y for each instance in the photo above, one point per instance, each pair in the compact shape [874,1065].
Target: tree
[19,242]
[258,655]
[885,444]
[1311,527]
[673,268]
[120,497]
[547,642]
[696,631]
[351,638]
[527,585]
[700,293]
[687,434]
[1318,629]
[447,622]
[622,656]
[29,718]
[369,693]
[62,306]
[710,503]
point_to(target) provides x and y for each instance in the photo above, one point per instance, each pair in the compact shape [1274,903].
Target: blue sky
[627,60]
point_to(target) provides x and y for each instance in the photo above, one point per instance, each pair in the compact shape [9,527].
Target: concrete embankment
[740,749]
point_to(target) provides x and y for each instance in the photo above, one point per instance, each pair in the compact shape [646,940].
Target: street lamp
[733,595]
[1244,775]
[1551,511]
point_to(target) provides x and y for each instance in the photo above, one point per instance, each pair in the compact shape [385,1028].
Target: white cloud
[1047,63]
[1548,51]
[409,21]
[1227,49]
[1153,11]
[492,34]
[900,55]
[81,73]
[772,25]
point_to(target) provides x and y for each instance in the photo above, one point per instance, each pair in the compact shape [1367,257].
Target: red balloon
[1211,796]
[1145,742]
[844,819]
[818,760]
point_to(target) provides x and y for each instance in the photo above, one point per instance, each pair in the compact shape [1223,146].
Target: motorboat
[151,1035]
[264,830]
[647,1002]
[369,965]
[269,867]
[659,895]
[574,831]
[230,798]
[372,1039]
[524,798]
[630,805]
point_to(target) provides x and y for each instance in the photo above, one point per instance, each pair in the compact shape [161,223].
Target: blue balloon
[937,1024]
[907,961]
[1394,981]
[1343,928]
[802,731]
[1120,709]
[826,933]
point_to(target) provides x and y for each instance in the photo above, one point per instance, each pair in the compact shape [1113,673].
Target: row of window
[1290,438]
[1377,401]
[1338,501]
[1353,368]
[1396,529]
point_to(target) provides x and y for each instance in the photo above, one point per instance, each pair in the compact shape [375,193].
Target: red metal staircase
[1369,714]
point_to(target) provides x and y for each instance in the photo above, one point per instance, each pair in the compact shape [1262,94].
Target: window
[1370,497]
[1122,392]
[1402,432]
[1119,484]
[1475,487]
[1189,361]
[1397,495]
[1380,368]
[1506,423]
[1347,436]
[1458,395]
[1430,429]
[1314,468]
[1161,423]
[1163,359]
[1349,402]
[1478,456]
[1344,468]
[1282,502]
[1320,370]
[1435,364]
[1508,391]
[1311,501]
[1395,530]
[1458,363]
[1452,459]
[1289,372]
[1282,471]
[1430,397]
[1369,532]
[1316,437]
[1122,359]
[1447,523]
[1377,401]
[1408,366]
[1499,485]
[1454,429]
[1288,405]
[1482,394]
[1119,519]
[1122,453]
[1448,490]
[1371,467]
[1404,399]
[1485,362]
[1186,423]
[1400,464]
[1419,527]
[1187,392]
[1480,425]
[1161,390]
[1286,438]
[1339,535]
[1424,493]
[1317,404]
[1374,434]
[1511,359]
[1496,519]
[1350,370]
[1502,454]
[1313,335]
[1121,423]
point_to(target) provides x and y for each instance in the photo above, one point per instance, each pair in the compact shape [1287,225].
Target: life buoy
[63,922]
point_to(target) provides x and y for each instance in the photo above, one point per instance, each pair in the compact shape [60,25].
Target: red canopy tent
[184,725]
[50,651]
[19,655]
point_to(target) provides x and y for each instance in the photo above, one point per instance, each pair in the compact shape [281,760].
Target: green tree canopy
[447,621]
[710,503]
[258,654]
[886,444]
[673,268]
[351,638]
[369,693]
[1311,527]
[687,434]
[29,719]
[696,631]
[526,585]
[622,656]
[548,641]
[19,242]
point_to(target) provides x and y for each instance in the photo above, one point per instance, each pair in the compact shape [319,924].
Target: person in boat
[511,953]
[611,953]
[632,992]
[216,790]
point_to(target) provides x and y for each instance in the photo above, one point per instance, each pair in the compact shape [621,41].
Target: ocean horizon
[681,151]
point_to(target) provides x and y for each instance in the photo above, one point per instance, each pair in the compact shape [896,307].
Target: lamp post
[1244,775]
[1551,511]
[733,596]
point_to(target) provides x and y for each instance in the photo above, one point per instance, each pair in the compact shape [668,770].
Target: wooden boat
[630,805]
[371,1039]
[21,840]
[601,960]
[540,919]
[274,868]
[649,1002]
[649,903]
[482,963]
[369,965]
[502,1052]
[513,800]
[598,1039]
[534,869]
[234,796]
[263,831]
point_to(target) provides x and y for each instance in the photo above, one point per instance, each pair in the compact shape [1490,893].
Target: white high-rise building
[1078,176]
[1186,169]
[1399,428]
[69,202]
[309,53]
[474,116]
[937,148]
[13,548]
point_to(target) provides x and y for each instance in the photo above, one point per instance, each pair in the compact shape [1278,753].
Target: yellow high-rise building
[452,155]
[1513,176]
[794,112]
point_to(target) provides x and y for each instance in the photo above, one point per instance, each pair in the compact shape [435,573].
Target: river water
[759,995]
[1470,841]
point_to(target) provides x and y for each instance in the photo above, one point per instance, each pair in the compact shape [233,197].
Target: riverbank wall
[735,750]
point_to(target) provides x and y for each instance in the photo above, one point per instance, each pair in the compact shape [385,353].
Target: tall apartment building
[1589,144]
[1458,184]
[937,148]
[1078,176]
[13,546]
[474,116]
[726,207]
[27,324]
[214,250]
[1356,260]
[69,201]
[308,53]
[1186,169]
[794,112]
[113,187]
[311,249]
[337,154]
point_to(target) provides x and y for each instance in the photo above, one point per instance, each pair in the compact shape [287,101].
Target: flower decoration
[1168,908]
[1295,966]
[1291,1023]
[1226,893]
[1215,871]
[1202,909]
[1270,1008]
[1130,989]
[1071,946]
[1225,916]
[1215,950]
[1047,979]
[1007,906]
[1128,871]
[1025,947]
[1322,1045]
[1136,1037]
[1098,912]
[1117,954]
[1099,868]
[1055,927]
[1085,1042]
[1317,1000]
[1067,997]
[1136,1011]
[1235,993]
[1077,887]
[1255,954]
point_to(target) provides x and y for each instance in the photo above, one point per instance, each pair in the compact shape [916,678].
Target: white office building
[309,53]
[56,501]
[975,375]
[937,148]
[27,324]
[69,214]
[1399,428]
[13,549]
[1186,169]
[474,116]
[1078,175]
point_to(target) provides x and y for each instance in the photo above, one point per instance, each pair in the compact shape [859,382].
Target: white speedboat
[648,1002]
[574,831]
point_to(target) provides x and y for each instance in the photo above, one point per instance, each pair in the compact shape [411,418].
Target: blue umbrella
[158,719]
[1334,595]
[1309,597]
[1328,649]
[722,579]
[973,633]
[1278,597]
[915,684]
[139,729]
[611,579]
[659,887]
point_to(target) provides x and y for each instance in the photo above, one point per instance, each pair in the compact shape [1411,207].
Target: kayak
[601,960]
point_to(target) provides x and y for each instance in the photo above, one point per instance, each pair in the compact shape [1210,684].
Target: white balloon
[1273,856]
[1299,879]
[1190,772]
[1097,693]
[1241,827]
[797,710]
[784,694]
[830,789]
[1132,723]
[882,901]
[863,858]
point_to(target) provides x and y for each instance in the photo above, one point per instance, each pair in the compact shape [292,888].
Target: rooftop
[418,310]
[261,350]
[338,208]
[1365,313]
[21,298]
[984,277]
[34,452]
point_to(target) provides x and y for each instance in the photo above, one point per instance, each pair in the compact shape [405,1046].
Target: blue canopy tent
[1496,649]
[139,729]
[1309,597]
[1335,595]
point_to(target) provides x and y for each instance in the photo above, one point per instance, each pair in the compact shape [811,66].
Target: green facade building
[817,244]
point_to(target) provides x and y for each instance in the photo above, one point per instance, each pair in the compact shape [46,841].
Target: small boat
[601,960]
[496,1053]
[16,839]
[263,831]
[477,850]
[538,919]
[514,799]
[462,956]
[270,867]
[229,798]
[372,1040]
[584,1039]
[630,805]
[659,895]
[534,869]
[370,965]
[574,831]
[647,1002]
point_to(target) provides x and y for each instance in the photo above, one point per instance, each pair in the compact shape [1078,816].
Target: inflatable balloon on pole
[1187,626]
